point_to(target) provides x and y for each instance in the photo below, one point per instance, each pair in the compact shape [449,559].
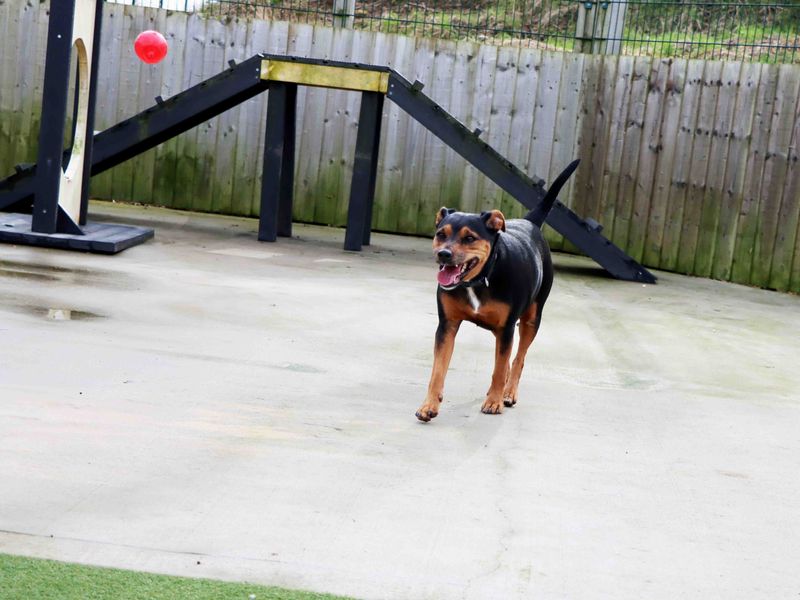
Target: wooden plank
[359,52]
[498,131]
[733,184]
[585,147]
[408,208]
[462,83]
[754,172]
[775,168]
[380,56]
[787,244]
[478,118]
[236,33]
[247,115]
[25,142]
[632,140]
[15,153]
[9,79]
[623,74]
[390,190]
[166,162]
[667,147]
[331,152]
[521,125]
[127,98]
[203,181]
[295,40]
[107,105]
[432,170]
[698,170]
[649,150]
[673,221]
[187,143]
[713,198]
[311,126]
[567,125]
[601,136]
[149,87]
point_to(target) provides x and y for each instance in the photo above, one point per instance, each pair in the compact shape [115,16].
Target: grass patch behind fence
[36,579]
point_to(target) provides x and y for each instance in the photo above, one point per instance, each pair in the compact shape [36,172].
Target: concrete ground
[217,407]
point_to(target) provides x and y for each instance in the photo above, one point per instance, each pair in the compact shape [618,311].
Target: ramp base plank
[99,238]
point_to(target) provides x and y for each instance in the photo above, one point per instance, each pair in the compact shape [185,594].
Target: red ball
[150,46]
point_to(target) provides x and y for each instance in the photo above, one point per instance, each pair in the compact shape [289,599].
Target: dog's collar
[486,272]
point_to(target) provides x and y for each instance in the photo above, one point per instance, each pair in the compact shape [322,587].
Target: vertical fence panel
[775,170]
[567,125]
[478,118]
[786,265]
[787,244]
[462,81]
[167,153]
[591,116]
[754,171]
[731,198]
[615,142]
[667,147]
[522,109]
[718,164]
[673,222]
[632,139]
[435,152]
[649,150]
[498,126]
[390,188]
[698,170]
[544,123]
[417,138]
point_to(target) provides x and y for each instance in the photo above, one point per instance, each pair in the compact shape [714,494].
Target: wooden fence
[691,166]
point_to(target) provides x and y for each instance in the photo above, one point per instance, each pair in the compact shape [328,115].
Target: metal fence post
[344,12]
[599,29]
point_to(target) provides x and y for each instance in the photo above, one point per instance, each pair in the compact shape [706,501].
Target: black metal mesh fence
[737,29]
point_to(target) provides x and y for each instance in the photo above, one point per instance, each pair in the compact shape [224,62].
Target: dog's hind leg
[493,405]
[528,326]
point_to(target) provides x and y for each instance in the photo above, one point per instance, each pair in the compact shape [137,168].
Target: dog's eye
[440,235]
[468,239]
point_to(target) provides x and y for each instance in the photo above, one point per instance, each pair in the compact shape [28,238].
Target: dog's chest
[474,301]
[479,307]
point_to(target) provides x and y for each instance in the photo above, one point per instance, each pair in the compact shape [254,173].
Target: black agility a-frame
[281,75]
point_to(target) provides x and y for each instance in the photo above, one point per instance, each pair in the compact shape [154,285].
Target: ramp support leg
[277,176]
[365,168]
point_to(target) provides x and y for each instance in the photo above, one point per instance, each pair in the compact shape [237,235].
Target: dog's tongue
[448,276]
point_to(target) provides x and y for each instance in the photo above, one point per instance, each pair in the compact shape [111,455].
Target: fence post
[599,29]
[344,13]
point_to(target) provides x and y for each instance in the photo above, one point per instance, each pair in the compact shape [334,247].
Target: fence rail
[763,31]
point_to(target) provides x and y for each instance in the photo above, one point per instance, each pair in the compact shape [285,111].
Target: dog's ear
[443,212]
[494,220]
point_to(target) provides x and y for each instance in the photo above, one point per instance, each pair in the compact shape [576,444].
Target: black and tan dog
[493,273]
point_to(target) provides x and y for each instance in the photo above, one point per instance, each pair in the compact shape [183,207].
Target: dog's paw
[492,406]
[509,400]
[428,410]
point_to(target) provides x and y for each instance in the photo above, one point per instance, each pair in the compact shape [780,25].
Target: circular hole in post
[75,124]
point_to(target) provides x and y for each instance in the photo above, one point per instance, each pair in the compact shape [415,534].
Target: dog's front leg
[442,351]
[504,340]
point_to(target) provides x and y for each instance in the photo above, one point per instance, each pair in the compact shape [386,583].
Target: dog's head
[463,243]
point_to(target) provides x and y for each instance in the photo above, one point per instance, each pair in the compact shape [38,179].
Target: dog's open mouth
[450,275]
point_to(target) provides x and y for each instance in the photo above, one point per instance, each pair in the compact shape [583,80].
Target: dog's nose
[444,255]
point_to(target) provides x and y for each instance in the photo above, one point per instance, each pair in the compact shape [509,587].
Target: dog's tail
[539,214]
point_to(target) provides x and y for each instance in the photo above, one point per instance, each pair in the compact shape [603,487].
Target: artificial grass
[36,579]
